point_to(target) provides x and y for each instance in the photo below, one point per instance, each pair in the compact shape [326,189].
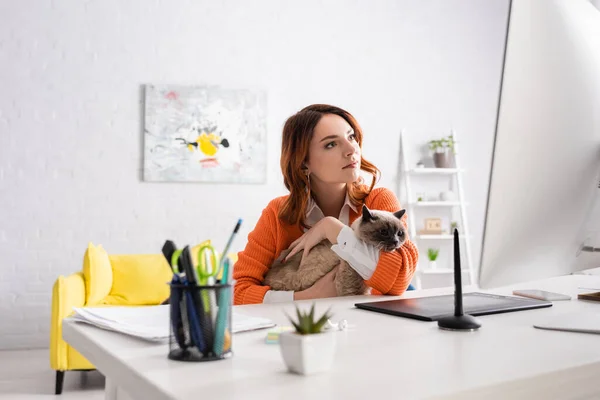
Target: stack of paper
[243,323]
[151,322]
[148,322]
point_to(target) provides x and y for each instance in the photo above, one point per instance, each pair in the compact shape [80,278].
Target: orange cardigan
[392,275]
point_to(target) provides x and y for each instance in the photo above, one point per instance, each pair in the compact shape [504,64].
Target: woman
[321,160]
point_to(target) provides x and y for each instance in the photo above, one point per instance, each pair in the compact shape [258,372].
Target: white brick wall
[71,114]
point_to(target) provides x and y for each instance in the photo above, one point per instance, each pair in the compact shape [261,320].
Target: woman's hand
[326,228]
[324,287]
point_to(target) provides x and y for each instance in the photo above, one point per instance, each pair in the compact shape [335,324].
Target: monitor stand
[459,321]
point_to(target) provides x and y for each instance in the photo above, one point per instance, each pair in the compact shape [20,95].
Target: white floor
[26,374]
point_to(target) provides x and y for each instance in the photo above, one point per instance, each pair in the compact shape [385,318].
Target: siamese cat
[382,229]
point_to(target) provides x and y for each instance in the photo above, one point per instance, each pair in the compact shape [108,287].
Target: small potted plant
[309,348]
[453,226]
[432,254]
[441,149]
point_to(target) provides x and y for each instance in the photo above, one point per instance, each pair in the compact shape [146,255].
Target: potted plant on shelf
[442,149]
[432,254]
[309,348]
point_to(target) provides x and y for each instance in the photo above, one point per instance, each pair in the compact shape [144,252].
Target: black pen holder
[200,322]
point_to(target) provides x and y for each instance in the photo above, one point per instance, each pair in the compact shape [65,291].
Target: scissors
[207,268]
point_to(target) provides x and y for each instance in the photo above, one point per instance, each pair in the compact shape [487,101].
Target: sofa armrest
[68,292]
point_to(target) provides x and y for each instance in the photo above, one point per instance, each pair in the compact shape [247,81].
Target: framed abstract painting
[204,134]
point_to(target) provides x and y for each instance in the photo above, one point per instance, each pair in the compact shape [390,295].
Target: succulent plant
[432,254]
[307,324]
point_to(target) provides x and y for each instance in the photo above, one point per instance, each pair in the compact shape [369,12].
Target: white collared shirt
[361,256]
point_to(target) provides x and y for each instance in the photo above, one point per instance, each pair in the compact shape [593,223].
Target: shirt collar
[314,208]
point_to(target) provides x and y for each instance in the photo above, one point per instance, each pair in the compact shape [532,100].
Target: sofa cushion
[98,274]
[139,279]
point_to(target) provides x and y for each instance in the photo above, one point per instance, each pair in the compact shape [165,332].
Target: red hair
[298,131]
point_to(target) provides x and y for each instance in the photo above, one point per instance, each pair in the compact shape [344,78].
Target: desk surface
[381,356]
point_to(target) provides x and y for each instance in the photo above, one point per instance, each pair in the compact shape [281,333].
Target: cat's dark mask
[368,216]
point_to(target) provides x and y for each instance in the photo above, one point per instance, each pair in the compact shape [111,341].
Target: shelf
[435,171]
[437,203]
[441,271]
[438,237]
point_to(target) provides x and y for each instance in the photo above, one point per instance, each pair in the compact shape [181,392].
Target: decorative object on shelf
[432,254]
[205,134]
[310,348]
[420,165]
[453,226]
[442,150]
[447,195]
[420,196]
[433,226]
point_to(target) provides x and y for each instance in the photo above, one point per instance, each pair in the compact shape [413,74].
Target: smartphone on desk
[541,295]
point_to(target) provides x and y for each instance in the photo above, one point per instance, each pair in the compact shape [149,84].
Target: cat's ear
[399,214]
[366,214]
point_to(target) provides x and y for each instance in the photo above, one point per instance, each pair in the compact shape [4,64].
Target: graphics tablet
[435,307]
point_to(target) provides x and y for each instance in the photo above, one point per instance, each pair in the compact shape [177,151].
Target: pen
[184,319]
[225,276]
[175,313]
[204,319]
[224,253]
[195,325]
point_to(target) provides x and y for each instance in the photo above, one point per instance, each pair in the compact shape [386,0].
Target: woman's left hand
[326,228]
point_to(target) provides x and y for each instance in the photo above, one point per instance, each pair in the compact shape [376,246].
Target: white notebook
[151,322]
[585,322]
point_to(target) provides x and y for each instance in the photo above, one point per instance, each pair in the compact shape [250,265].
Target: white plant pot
[307,354]
[432,265]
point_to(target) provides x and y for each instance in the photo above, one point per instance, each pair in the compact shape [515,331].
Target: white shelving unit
[408,174]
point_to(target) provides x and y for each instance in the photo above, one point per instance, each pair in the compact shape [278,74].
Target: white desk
[382,357]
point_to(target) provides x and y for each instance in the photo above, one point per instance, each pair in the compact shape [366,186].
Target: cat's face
[382,229]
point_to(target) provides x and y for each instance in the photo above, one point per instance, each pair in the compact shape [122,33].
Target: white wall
[71,114]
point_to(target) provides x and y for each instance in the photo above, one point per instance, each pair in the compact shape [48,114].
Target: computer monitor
[544,177]
[545,171]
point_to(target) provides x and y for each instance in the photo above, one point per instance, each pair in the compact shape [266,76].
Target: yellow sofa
[106,280]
